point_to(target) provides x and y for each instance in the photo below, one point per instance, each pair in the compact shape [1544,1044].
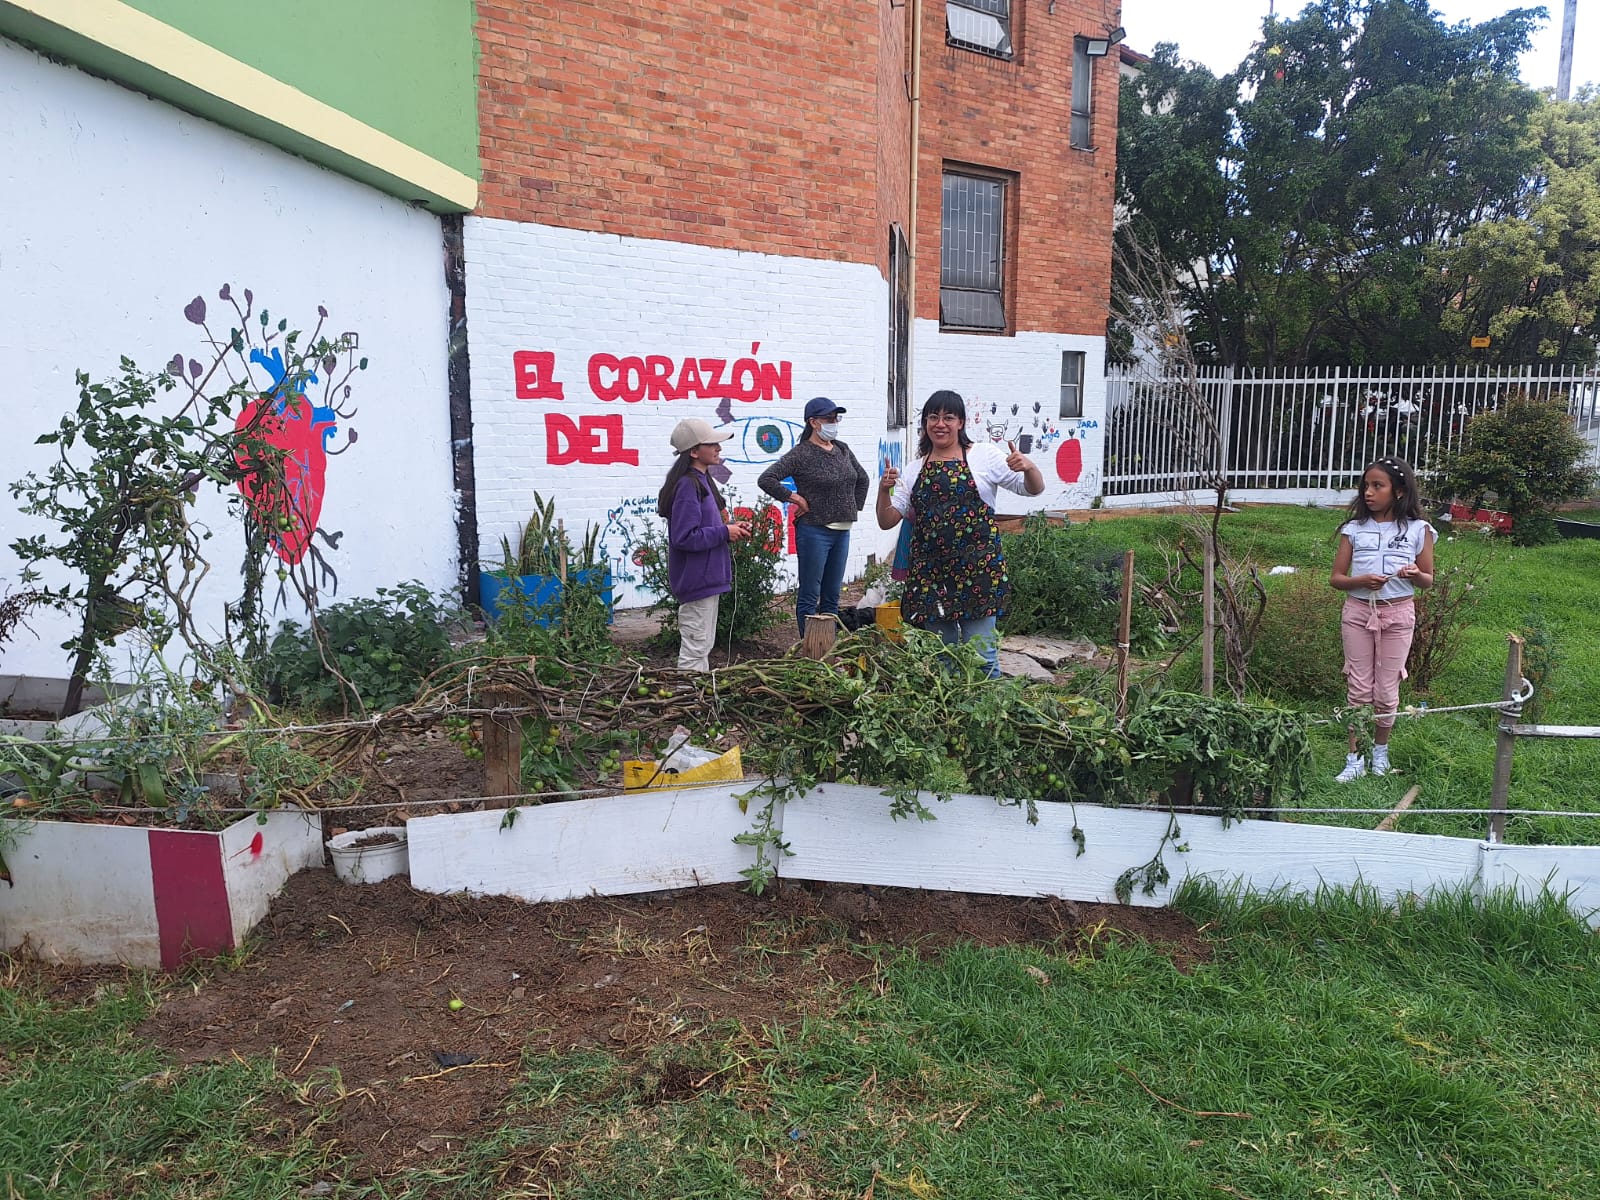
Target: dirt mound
[416,1009]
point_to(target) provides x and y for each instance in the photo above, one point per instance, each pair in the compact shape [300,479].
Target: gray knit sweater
[832,481]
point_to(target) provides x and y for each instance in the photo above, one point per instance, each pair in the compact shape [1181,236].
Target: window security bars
[981,25]
[972,253]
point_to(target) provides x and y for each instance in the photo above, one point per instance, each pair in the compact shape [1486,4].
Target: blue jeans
[822,553]
[980,630]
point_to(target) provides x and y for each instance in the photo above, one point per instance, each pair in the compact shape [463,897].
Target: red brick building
[671,187]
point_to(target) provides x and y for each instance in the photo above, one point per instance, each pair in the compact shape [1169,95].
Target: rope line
[424,716]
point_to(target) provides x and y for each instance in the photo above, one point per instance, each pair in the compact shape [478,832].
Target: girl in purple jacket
[699,563]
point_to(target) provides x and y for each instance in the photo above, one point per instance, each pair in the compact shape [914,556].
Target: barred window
[981,25]
[899,326]
[1082,95]
[972,253]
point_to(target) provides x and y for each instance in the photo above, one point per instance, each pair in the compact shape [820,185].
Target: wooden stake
[1387,824]
[821,631]
[1505,741]
[1124,632]
[1208,624]
[502,751]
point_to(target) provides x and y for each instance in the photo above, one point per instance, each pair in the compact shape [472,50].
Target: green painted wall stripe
[125,44]
[403,66]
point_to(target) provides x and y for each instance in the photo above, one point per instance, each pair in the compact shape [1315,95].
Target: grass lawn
[1450,756]
[1337,1049]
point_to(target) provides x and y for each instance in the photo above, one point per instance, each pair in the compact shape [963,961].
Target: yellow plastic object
[887,618]
[640,776]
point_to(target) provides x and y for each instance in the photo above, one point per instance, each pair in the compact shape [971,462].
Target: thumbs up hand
[1017,461]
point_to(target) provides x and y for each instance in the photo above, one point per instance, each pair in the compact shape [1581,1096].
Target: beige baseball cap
[688,434]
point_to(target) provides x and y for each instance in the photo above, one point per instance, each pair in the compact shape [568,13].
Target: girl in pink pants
[1385,553]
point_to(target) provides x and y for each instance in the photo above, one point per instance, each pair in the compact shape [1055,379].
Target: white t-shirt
[989,471]
[1381,548]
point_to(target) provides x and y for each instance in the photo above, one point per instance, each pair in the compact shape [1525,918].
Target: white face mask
[828,432]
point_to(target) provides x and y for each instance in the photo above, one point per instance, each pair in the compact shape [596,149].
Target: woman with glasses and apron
[956,585]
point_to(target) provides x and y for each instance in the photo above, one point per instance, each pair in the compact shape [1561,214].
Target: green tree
[1531,279]
[1316,193]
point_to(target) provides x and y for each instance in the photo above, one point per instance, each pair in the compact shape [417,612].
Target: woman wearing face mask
[830,488]
[957,585]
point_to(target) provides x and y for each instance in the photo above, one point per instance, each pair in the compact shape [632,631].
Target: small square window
[1071,385]
[981,25]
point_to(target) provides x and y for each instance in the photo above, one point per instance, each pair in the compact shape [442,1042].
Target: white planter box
[39,693]
[619,844]
[145,897]
[614,845]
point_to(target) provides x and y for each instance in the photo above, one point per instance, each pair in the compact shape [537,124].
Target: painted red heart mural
[289,510]
[282,420]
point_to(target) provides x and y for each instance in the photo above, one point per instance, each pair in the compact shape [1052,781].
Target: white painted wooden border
[1573,871]
[624,844]
[85,893]
[845,834]
[613,845]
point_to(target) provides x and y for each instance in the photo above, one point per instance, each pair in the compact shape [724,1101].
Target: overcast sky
[1220,33]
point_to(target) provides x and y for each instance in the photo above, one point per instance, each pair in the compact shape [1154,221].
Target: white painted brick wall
[1003,379]
[576,294]
[117,211]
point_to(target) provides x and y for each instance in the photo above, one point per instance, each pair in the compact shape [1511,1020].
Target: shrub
[1062,580]
[575,627]
[1529,456]
[745,611]
[1297,653]
[1444,612]
[381,649]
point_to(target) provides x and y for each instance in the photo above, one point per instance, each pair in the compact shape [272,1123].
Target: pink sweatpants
[1377,639]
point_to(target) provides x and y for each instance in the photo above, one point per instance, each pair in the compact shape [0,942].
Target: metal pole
[1124,628]
[1569,18]
[1505,740]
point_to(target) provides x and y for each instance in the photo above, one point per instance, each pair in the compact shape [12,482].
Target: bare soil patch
[361,980]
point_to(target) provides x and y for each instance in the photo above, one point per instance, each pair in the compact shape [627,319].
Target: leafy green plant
[544,547]
[1540,658]
[557,760]
[575,627]
[1062,580]
[1445,611]
[131,462]
[381,648]
[1297,653]
[1529,456]
[118,496]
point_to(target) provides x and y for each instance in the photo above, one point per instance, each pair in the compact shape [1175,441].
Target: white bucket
[354,863]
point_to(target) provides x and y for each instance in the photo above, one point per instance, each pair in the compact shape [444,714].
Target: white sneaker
[1355,766]
[1380,762]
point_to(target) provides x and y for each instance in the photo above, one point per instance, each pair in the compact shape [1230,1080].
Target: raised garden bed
[616,845]
[143,896]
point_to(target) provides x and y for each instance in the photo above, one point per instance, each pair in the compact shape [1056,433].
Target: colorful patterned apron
[957,572]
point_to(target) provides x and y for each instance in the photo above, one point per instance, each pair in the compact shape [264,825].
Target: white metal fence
[1308,431]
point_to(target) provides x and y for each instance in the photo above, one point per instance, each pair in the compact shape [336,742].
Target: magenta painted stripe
[191,898]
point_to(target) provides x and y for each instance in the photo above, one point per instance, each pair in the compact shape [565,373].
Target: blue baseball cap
[821,406]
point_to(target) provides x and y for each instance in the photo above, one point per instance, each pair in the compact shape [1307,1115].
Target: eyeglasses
[941,418]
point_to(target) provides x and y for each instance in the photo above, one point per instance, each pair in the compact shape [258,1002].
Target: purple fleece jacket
[699,563]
